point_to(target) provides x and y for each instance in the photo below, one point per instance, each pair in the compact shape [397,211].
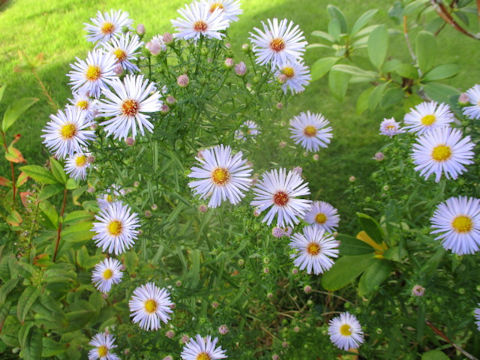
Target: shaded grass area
[53,31]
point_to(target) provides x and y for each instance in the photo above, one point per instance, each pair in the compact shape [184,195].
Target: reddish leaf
[24,196]
[14,155]
[5,182]
[22,179]
[14,218]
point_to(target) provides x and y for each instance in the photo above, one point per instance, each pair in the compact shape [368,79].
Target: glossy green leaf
[426,50]
[2,91]
[407,71]
[334,28]
[371,227]
[440,92]
[26,300]
[76,216]
[362,21]
[376,96]
[14,111]
[355,70]
[378,46]
[33,345]
[362,101]
[376,274]
[50,212]
[57,171]
[6,289]
[338,83]
[49,191]
[442,72]
[322,66]
[350,245]
[336,13]
[345,270]
[434,355]
[323,35]
[39,174]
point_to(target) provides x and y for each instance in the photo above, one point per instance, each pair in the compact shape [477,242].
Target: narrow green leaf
[371,227]
[323,35]
[7,289]
[376,96]
[442,72]
[362,21]
[52,348]
[39,174]
[24,332]
[440,92]
[378,46]
[426,50]
[334,28]
[57,171]
[338,83]
[345,270]
[26,300]
[376,274]
[33,346]
[2,91]
[322,66]
[355,70]
[350,245]
[14,111]
[78,215]
[336,13]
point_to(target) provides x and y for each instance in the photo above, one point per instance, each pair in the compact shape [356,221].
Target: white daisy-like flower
[149,306]
[442,151]
[112,195]
[76,165]
[280,191]
[67,132]
[85,104]
[311,131]
[116,228]
[390,127]
[128,103]
[221,176]
[314,250]
[476,313]
[473,112]
[125,50]
[345,331]
[107,25]
[428,116]
[230,9]
[457,223]
[294,76]
[203,349]
[198,20]
[107,273]
[323,215]
[91,76]
[278,43]
[156,44]
[247,129]
[103,344]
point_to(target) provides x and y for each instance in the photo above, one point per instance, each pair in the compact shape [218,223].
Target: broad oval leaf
[338,83]
[442,72]
[378,46]
[372,277]
[362,21]
[26,300]
[426,50]
[350,245]
[322,66]
[39,174]
[345,270]
[14,111]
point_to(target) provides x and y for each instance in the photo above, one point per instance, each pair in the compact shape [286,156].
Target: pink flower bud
[91,190]
[463,99]
[282,144]
[130,141]
[164,108]
[229,63]
[118,69]
[183,80]
[215,304]
[228,45]
[154,46]
[277,232]
[379,156]
[170,100]
[167,38]
[170,334]
[282,78]
[203,208]
[275,357]
[352,178]
[307,289]
[298,170]
[279,106]
[91,159]
[296,329]
[185,339]
[294,271]
[223,329]
[140,29]
[316,157]
[240,69]
[418,290]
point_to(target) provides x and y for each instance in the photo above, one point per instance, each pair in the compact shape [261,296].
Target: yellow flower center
[83,104]
[310,131]
[345,330]
[216,6]
[109,198]
[313,248]
[120,54]
[68,131]
[150,306]
[462,224]
[288,72]
[115,228]
[277,44]
[390,127]
[80,161]
[280,198]
[107,28]
[441,153]
[321,218]
[107,274]
[102,351]
[93,73]
[130,107]
[220,176]
[203,356]
[200,26]
[428,120]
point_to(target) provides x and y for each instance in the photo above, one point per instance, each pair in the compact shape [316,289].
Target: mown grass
[53,30]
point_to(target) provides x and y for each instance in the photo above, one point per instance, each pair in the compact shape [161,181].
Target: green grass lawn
[53,29]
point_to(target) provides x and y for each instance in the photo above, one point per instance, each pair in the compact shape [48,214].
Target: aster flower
[66,132]
[125,50]
[457,224]
[115,228]
[156,45]
[390,127]
[294,76]
[76,165]
[149,306]
[107,273]
[107,25]
[202,349]
[230,9]
[128,103]
[103,344]
[323,215]
[311,131]
[477,317]
[221,176]
[279,42]
[345,332]
[113,193]
[247,129]
[442,151]
[473,112]
[280,191]
[314,250]
[91,76]
[198,20]
[428,116]
[85,104]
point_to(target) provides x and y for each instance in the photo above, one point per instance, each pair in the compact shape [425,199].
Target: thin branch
[448,18]
[444,337]
[60,219]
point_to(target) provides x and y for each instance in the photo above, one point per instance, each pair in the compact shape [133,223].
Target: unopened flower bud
[154,207]
[185,339]
[294,271]
[228,45]
[168,357]
[90,159]
[296,329]
[229,63]
[266,270]
[178,283]
[282,78]
[240,69]
[246,47]
[215,304]
[223,329]
[277,232]
[463,99]
[316,157]
[269,295]
[379,156]
[148,213]
[282,144]
[298,170]
[118,69]
[284,344]
[140,29]
[279,106]
[418,290]
[352,178]
[307,289]
[164,108]
[91,189]
[183,80]
[130,141]
[154,46]
[170,100]
[167,38]
[136,184]
[170,334]
[203,208]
